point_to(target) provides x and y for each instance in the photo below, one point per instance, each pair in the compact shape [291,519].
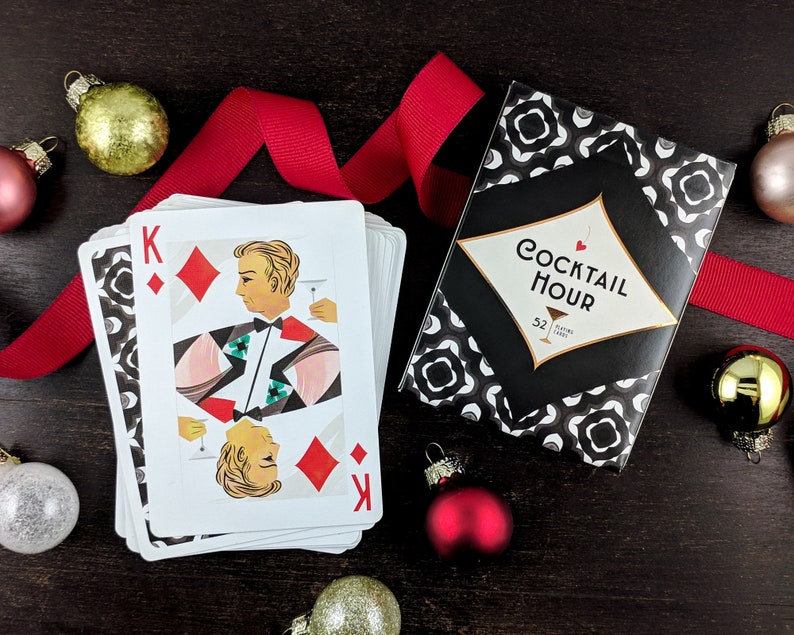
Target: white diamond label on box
[568,281]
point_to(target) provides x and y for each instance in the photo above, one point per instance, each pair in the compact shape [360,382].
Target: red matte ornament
[20,165]
[464,520]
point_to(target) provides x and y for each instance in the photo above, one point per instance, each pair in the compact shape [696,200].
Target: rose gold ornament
[772,170]
[20,165]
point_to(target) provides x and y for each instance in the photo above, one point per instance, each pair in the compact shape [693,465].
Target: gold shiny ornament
[353,605]
[121,127]
[752,389]
[772,170]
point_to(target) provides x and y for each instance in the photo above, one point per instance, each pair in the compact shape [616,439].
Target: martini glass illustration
[313,286]
[554,314]
[203,452]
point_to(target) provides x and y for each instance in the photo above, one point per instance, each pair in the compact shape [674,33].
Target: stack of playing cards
[244,351]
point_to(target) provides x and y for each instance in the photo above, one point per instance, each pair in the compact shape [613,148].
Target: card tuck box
[567,277]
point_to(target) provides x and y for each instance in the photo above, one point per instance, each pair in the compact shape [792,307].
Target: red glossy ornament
[464,520]
[20,165]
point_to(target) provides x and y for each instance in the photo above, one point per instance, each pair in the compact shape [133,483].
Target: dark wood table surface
[690,537]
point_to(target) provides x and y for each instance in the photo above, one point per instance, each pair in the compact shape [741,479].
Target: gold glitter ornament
[353,605]
[121,127]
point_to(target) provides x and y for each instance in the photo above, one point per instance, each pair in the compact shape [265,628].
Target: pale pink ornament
[772,170]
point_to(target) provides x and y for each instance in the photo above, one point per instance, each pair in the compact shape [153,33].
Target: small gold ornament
[121,127]
[752,388]
[355,604]
[772,170]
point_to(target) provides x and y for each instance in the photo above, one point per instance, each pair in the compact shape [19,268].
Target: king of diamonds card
[256,368]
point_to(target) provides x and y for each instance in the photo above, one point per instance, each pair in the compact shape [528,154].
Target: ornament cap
[300,625]
[78,86]
[36,153]
[7,461]
[780,123]
[753,443]
[443,467]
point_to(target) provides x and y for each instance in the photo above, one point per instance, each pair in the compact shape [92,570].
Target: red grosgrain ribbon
[296,137]
[746,294]
[402,147]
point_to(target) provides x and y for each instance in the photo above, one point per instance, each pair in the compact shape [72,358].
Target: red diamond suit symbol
[358,453]
[197,273]
[155,283]
[317,463]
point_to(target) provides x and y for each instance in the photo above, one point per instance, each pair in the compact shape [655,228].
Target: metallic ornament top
[772,170]
[443,467]
[752,388]
[36,154]
[353,605]
[39,505]
[120,126]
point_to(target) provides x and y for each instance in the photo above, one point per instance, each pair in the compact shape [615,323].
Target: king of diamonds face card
[107,275]
[256,368]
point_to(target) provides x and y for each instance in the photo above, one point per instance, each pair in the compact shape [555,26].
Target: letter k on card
[151,254]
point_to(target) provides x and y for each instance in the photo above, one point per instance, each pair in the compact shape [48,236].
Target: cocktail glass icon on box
[554,314]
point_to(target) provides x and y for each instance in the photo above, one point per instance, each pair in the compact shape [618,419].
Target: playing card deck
[244,376]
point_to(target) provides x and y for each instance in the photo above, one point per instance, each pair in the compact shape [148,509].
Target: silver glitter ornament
[38,505]
[353,605]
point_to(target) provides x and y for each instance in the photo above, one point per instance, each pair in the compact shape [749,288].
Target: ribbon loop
[297,140]
[403,146]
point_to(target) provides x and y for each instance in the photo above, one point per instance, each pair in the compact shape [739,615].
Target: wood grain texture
[689,538]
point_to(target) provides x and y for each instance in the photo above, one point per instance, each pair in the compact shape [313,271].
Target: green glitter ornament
[353,605]
[121,127]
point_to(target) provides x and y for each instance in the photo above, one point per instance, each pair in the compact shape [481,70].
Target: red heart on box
[580,246]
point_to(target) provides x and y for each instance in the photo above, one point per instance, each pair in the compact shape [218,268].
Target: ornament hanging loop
[53,141]
[78,87]
[442,467]
[5,457]
[67,76]
[779,106]
[439,449]
[756,460]
[779,123]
